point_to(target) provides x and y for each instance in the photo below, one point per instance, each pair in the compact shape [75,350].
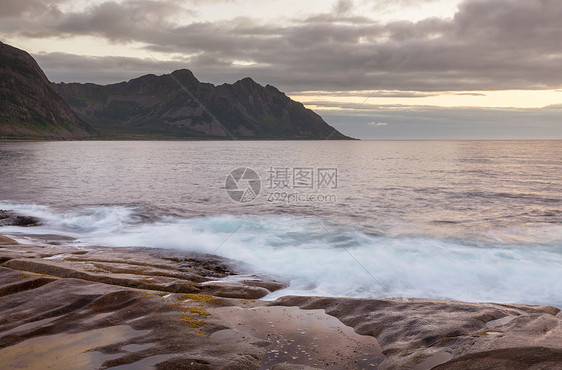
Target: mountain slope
[158,107]
[29,105]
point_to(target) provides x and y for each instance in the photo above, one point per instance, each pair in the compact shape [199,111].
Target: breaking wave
[322,258]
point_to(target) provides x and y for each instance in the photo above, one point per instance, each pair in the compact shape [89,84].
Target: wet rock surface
[107,308]
[9,218]
[138,269]
[308,338]
[424,333]
[138,308]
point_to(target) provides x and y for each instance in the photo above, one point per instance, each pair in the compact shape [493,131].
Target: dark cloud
[470,94]
[364,94]
[133,20]
[487,45]
[27,8]
[63,67]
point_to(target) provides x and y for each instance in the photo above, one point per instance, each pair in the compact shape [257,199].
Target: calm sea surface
[469,220]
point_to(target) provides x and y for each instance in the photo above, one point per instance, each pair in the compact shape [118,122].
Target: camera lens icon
[243,185]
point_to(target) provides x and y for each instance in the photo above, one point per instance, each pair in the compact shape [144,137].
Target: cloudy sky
[375,69]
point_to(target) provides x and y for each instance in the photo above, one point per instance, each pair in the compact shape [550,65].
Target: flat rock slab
[133,309]
[72,323]
[138,268]
[422,334]
[310,338]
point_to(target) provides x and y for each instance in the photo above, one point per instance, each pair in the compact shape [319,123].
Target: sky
[373,69]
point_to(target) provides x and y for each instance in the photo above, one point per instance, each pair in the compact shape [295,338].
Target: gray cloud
[75,68]
[116,21]
[343,7]
[470,94]
[488,45]
[26,8]
[364,94]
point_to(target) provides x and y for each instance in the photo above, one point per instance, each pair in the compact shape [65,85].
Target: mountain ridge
[170,106]
[158,106]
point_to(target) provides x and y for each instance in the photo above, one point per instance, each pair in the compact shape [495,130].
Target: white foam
[316,262]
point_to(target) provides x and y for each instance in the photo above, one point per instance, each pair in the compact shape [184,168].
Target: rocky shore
[136,308]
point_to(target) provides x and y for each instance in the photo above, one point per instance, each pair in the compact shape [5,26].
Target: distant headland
[171,106]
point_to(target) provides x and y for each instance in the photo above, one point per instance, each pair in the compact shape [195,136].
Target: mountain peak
[246,81]
[29,105]
[184,74]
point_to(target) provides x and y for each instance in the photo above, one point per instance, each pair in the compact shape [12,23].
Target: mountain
[174,106]
[30,107]
[164,107]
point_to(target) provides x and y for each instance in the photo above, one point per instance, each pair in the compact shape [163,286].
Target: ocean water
[467,220]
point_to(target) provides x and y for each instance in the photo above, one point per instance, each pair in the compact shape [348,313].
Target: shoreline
[203,139]
[146,300]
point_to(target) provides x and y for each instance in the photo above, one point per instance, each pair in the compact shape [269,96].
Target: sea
[477,221]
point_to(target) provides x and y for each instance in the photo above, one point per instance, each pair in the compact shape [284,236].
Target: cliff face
[29,105]
[283,117]
[157,106]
